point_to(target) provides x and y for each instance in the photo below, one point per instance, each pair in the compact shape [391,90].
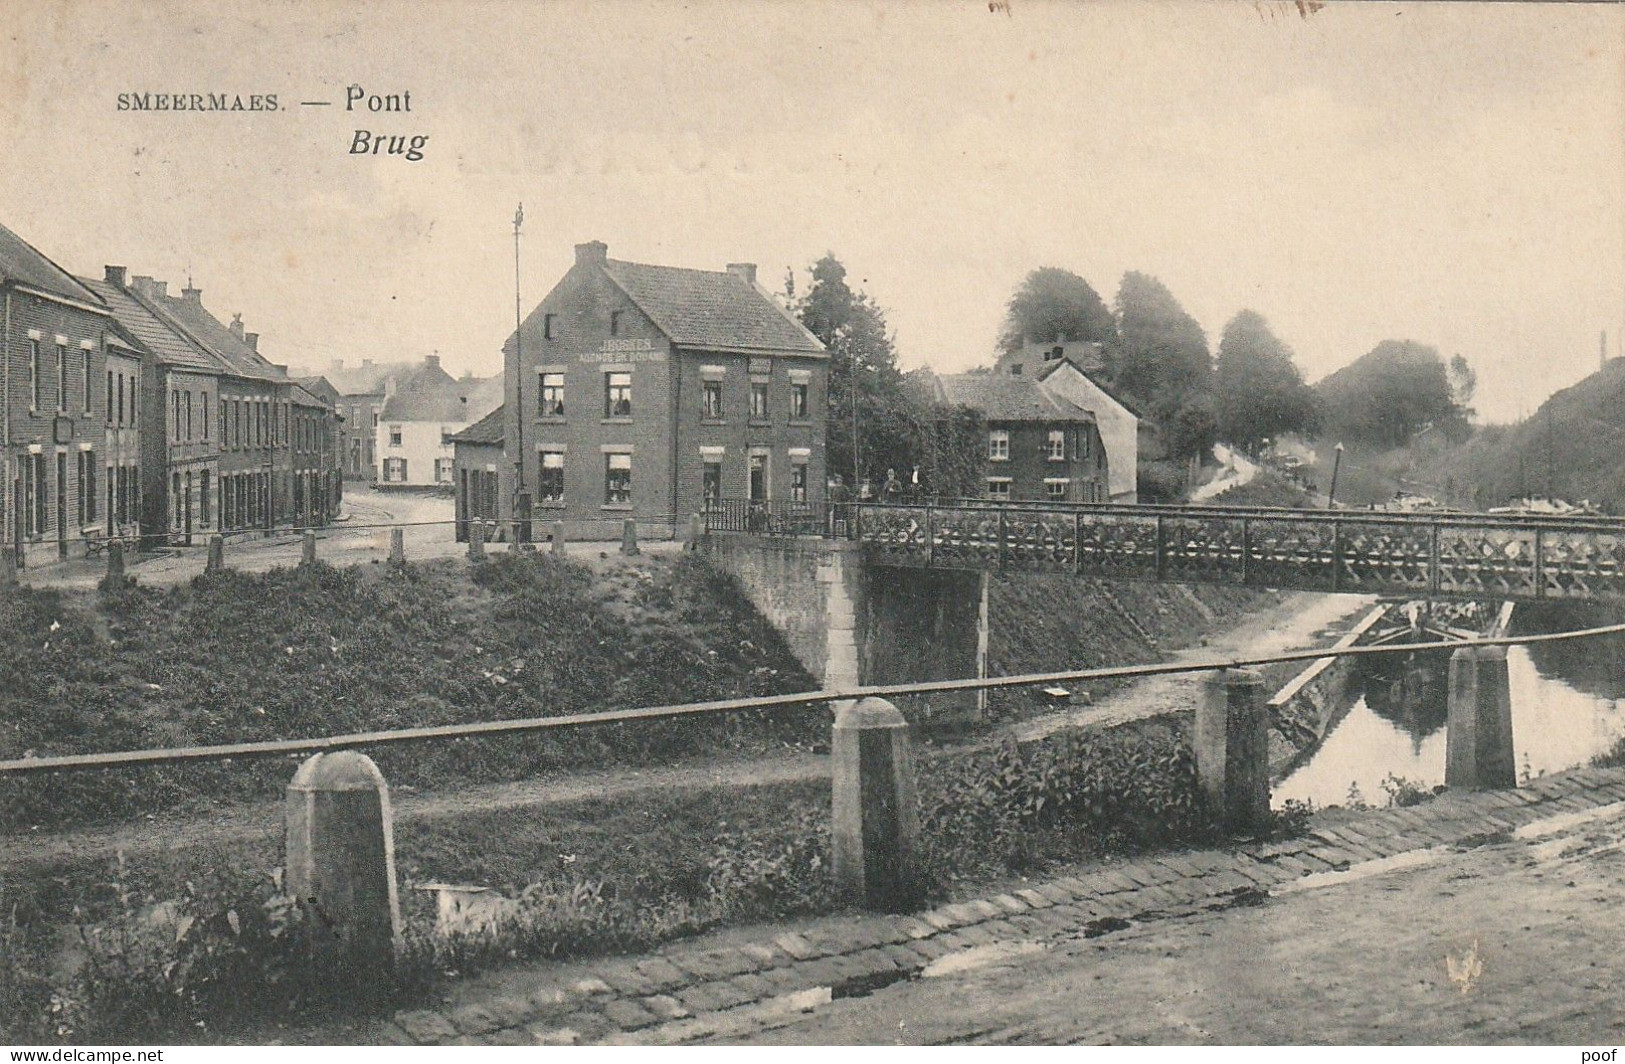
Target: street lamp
[1337,461]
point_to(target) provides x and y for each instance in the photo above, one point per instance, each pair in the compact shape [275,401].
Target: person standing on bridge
[892,490]
[839,498]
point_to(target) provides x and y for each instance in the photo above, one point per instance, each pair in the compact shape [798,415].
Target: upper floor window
[713,399]
[33,375]
[798,482]
[85,406]
[614,323]
[205,404]
[998,446]
[758,400]
[1056,446]
[552,395]
[547,326]
[394,435]
[798,401]
[109,397]
[61,379]
[617,395]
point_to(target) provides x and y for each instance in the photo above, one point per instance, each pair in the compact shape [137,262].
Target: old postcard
[890,522]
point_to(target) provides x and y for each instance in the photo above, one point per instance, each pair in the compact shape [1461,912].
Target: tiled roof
[432,394]
[207,330]
[22,263]
[711,310]
[487,430]
[171,348]
[1001,397]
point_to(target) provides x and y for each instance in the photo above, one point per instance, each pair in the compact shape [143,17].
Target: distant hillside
[1573,448]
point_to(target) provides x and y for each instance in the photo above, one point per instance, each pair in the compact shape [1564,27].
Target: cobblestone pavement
[1340,935]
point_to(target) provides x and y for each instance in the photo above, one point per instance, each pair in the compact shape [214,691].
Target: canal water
[1568,705]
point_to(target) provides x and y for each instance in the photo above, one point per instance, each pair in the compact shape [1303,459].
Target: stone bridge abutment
[851,622]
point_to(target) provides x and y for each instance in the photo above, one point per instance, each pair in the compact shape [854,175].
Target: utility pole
[519,389]
[1549,492]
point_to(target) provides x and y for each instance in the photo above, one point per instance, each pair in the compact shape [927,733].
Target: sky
[1448,173]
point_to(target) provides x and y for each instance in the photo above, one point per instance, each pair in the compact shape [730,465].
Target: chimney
[160,289]
[114,275]
[192,295]
[745,271]
[593,252]
[468,377]
[432,361]
[366,363]
[336,366]
[236,325]
[142,285]
[253,341]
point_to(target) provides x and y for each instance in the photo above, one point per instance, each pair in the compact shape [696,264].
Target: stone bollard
[8,565]
[115,563]
[1478,731]
[217,554]
[397,547]
[307,552]
[340,867]
[629,537]
[558,537]
[476,541]
[696,531]
[876,819]
[1232,749]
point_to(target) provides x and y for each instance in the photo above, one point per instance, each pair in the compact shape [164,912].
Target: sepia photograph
[807,523]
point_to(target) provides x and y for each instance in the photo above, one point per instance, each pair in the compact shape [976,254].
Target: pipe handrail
[283,747]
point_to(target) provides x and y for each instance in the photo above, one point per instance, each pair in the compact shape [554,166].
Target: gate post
[307,554]
[558,537]
[217,553]
[476,541]
[1232,748]
[875,815]
[1478,731]
[115,564]
[629,536]
[397,547]
[340,867]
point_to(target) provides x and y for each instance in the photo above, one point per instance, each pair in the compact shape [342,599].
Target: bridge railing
[1438,555]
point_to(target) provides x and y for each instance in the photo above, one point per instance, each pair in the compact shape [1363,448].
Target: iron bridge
[1419,555]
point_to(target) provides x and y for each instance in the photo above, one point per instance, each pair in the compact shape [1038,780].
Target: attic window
[1015,370]
[547,326]
[614,323]
[1054,353]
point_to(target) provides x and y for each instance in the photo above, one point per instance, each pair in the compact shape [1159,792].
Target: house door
[61,502]
[758,477]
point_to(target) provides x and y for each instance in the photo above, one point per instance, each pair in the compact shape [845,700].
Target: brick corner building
[646,391]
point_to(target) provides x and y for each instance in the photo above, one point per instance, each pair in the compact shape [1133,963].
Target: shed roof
[486,431]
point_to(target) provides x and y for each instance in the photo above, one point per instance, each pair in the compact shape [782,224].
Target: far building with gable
[1072,371]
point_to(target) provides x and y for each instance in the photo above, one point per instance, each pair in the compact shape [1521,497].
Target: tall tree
[1052,305]
[1258,390]
[1392,392]
[1162,355]
[870,426]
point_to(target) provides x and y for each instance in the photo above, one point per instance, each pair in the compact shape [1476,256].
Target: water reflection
[1568,705]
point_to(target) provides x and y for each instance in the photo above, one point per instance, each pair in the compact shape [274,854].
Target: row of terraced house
[134,413]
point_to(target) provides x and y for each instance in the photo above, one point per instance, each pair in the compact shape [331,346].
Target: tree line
[1156,359]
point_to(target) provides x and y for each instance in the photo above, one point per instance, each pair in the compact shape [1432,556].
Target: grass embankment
[291,653]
